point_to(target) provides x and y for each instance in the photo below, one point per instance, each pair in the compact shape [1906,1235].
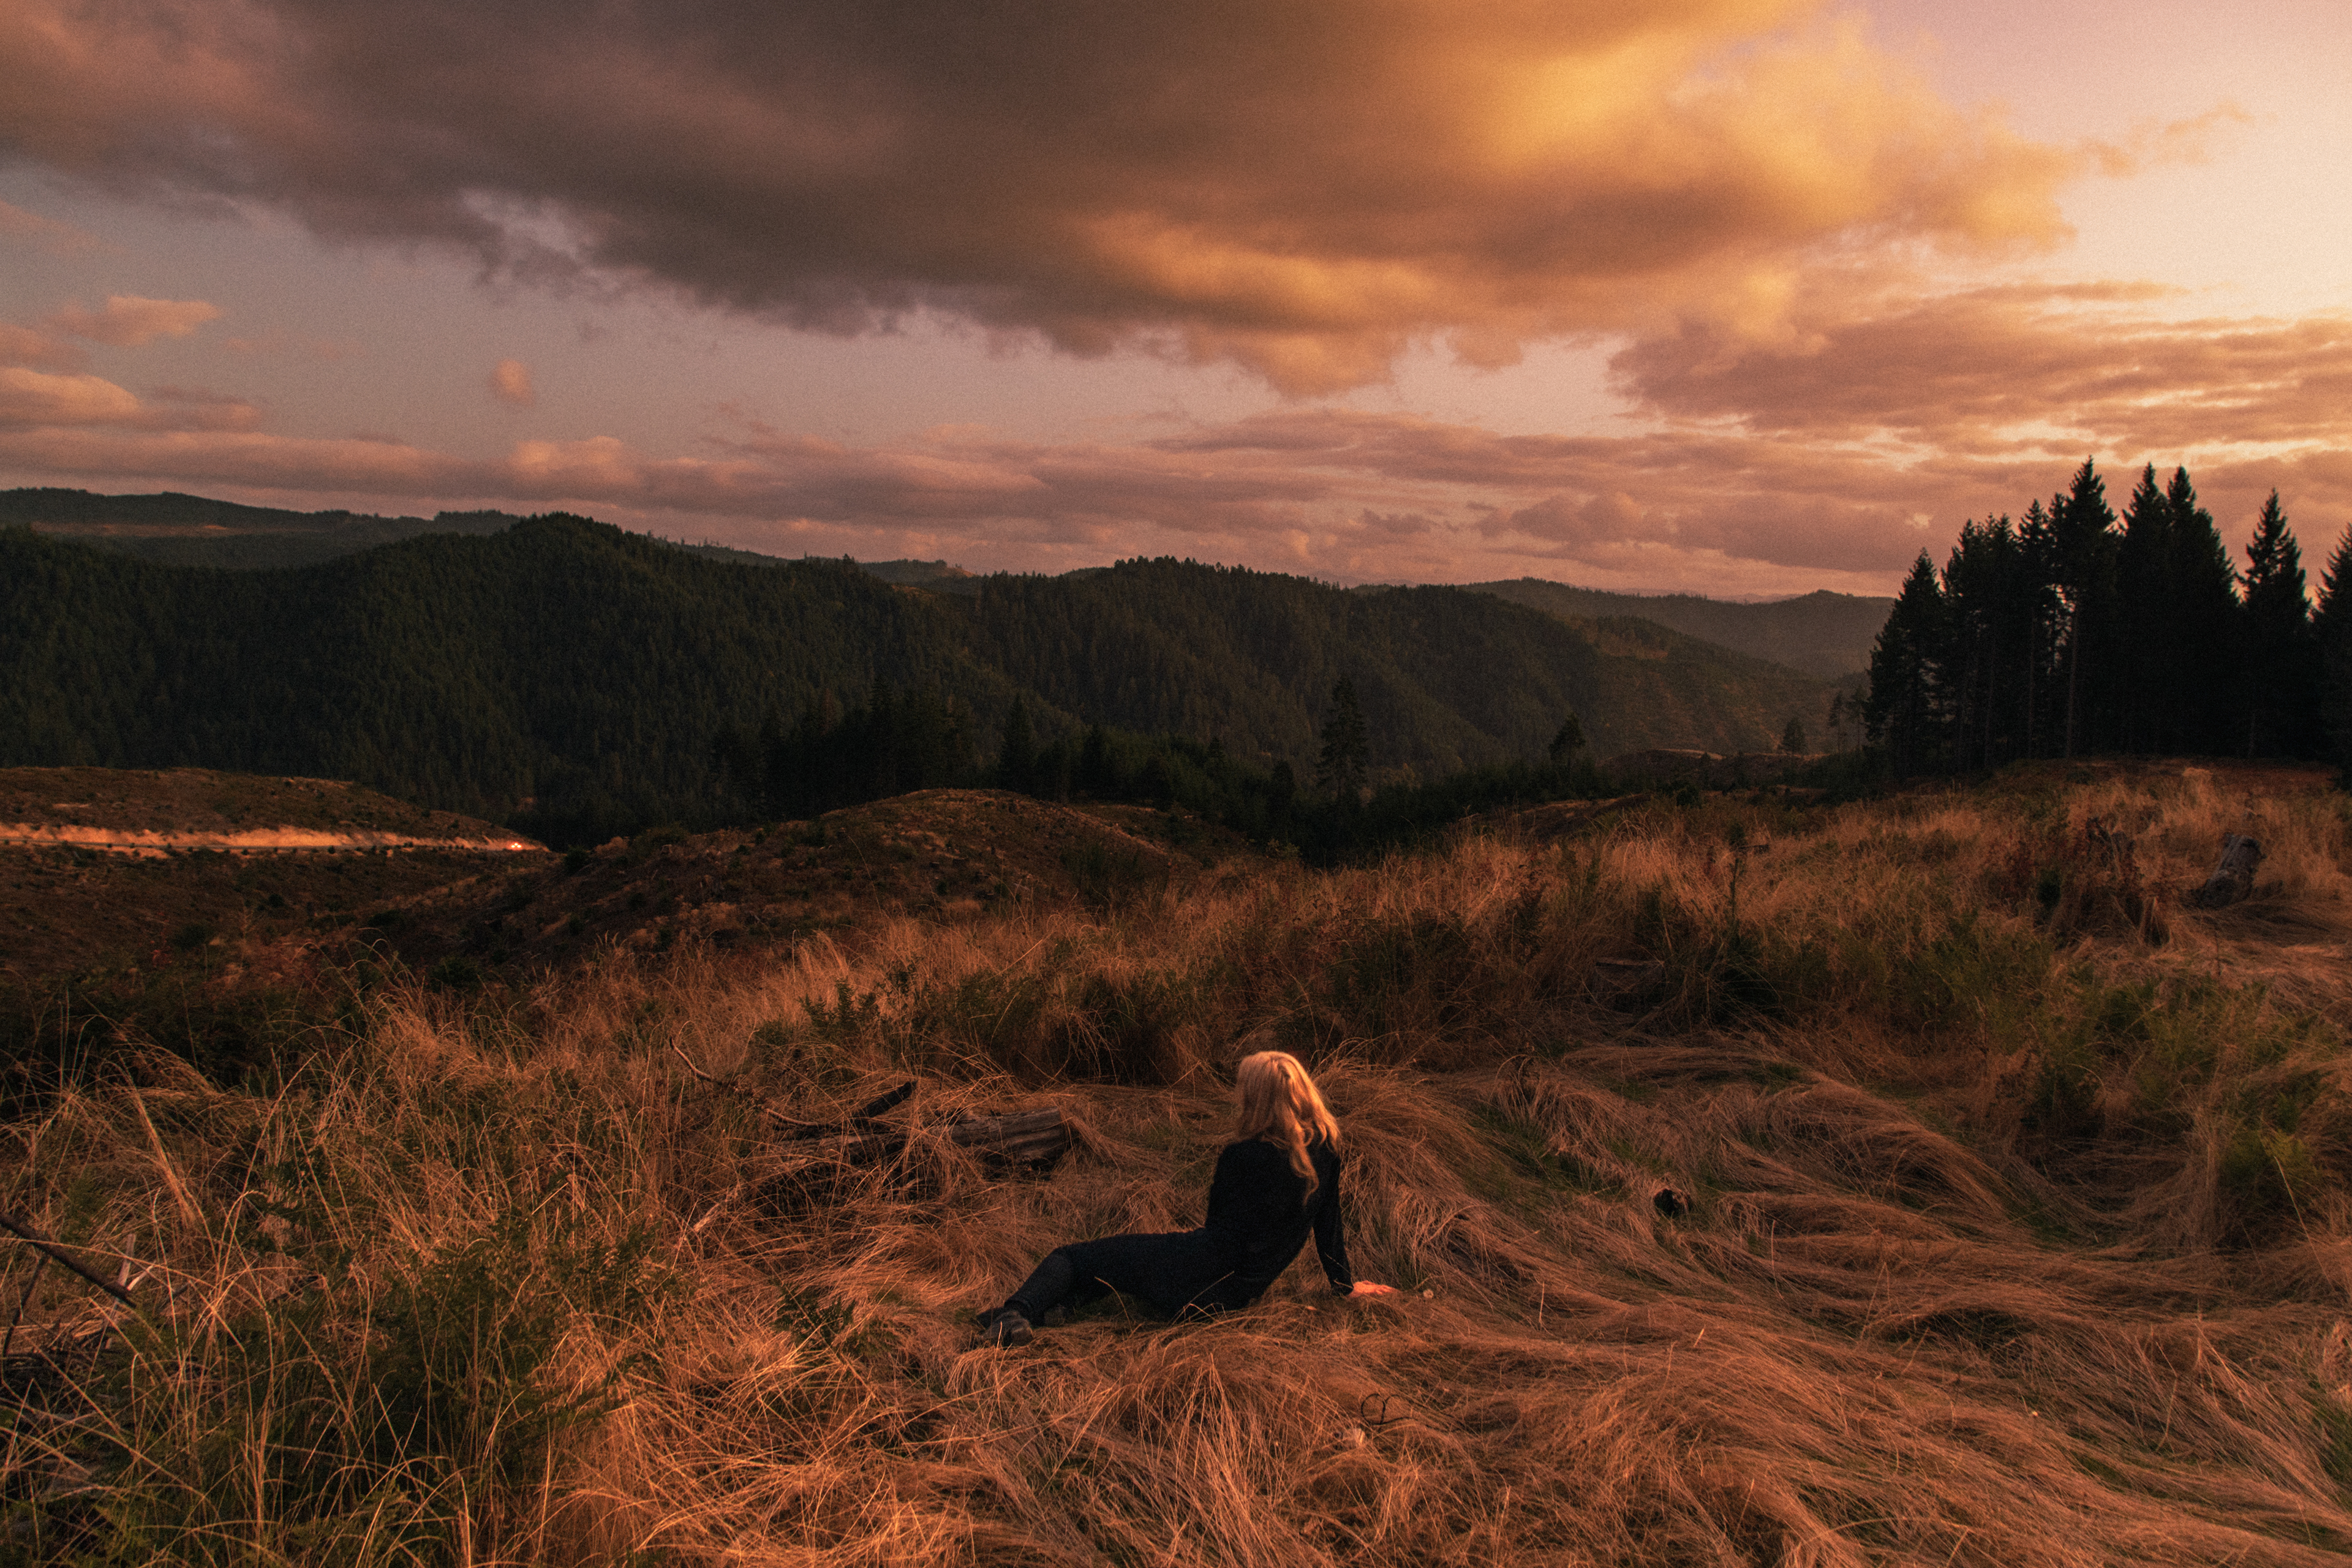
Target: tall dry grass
[2017,1228]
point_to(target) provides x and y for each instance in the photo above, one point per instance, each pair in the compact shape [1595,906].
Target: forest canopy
[574,679]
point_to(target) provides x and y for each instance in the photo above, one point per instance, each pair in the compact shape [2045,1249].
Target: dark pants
[1166,1273]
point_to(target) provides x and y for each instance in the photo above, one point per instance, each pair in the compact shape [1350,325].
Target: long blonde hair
[1281,1105]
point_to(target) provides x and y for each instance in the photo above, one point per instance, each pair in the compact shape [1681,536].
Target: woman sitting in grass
[1275,1181]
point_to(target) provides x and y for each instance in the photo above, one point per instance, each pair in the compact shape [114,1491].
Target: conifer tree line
[2071,631]
[579,682]
[895,741]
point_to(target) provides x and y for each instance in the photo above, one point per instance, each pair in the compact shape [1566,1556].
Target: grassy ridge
[2018,1235]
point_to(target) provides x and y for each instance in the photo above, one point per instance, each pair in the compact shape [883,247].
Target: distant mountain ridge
[177,530]
[1828,635]
[561,663]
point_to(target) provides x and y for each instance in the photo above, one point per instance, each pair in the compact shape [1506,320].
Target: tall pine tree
[2200,625]
[2083,544]
[1903,712]
[1347,746]
[2331,626]
[2281,663]
[1998,612]
[2149,719]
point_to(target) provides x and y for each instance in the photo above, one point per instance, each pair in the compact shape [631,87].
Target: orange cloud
[2012,369]
[128,321]
[33,400]
[510,383]
[24,345]
[32,397]
[1305,189]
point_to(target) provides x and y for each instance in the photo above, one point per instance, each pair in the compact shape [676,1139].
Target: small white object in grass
[1429,1295]
[1353,1438]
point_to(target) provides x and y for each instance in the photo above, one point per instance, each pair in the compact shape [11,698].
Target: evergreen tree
[1339,769]
[1566,743]
[2281,661]
[2144,563]
[1901,712]
[2084,545]
[1792,735]
[1998,614]
[2199,628]
[2331,627]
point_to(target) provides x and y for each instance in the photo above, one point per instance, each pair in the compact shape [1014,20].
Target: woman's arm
[1331,1236]
[1331,1247]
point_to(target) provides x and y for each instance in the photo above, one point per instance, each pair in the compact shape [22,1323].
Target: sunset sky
[1738,297]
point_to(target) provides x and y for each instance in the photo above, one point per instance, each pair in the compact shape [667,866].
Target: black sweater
[1260,1213]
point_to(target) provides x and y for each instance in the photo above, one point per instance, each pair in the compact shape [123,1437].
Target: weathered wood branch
[51,1250]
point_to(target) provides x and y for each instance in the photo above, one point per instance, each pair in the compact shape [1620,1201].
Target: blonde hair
[1281,1105]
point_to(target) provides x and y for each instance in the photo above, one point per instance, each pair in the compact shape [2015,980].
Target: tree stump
[2233,873]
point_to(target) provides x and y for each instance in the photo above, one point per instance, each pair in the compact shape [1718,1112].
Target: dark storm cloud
[1305,187]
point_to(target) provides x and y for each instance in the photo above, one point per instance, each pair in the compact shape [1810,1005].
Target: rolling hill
[563,665]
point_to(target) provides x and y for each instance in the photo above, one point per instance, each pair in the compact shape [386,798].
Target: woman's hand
[1366,1287]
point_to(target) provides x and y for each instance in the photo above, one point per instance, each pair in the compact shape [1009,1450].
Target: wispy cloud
[45,235]
[129,320]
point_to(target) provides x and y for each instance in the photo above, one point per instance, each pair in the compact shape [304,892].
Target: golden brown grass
[2017,1236]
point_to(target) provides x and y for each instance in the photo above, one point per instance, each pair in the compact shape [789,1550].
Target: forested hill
[1828,635]
[567,663]
[195,530]
[1448,678]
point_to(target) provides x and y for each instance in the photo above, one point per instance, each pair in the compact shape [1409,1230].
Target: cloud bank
[1772,469]
[1305,189]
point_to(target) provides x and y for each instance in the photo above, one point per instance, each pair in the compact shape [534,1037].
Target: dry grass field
[2019,1223]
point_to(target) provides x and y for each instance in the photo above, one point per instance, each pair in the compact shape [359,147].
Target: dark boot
[1008,1327]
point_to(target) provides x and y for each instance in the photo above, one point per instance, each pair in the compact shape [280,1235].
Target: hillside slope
[1447,678]
[1827,636]
[565,666]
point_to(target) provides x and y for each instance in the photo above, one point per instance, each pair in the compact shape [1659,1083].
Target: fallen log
[1035,1138]
[2233,873]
